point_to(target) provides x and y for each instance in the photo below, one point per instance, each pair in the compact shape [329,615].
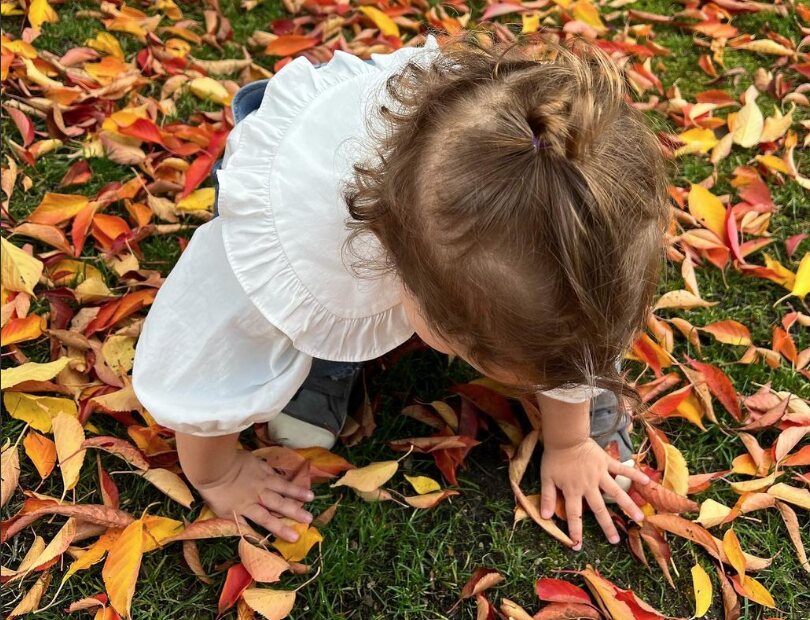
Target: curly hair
[522,201]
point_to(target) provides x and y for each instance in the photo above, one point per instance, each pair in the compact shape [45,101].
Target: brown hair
[522,201]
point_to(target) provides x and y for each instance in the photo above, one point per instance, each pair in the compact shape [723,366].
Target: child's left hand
[584,471]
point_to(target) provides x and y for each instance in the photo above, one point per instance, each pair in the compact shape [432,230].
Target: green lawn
[391,562]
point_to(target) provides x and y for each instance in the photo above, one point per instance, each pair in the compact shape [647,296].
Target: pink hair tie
[539,143]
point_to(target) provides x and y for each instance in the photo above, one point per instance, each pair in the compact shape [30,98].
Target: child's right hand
[251,489]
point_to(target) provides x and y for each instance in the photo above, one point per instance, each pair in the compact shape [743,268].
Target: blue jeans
[246,100]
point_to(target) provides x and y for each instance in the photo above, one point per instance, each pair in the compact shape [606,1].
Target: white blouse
[266,286]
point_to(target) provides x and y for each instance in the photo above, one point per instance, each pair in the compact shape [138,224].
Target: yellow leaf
[733,551]
[696,140]
[157,529]
[772,162]
[120,572]
[270,604]
[531,22]
[423,484]
[676,475]
[171,484]
[690,409]
[729,332]
[587,13]
[757,484]
[776,125]
[39,78]
[749,122]
[20,271]
[368,478]
[802,284]
[766,46]
[682,299]
[106,43]
[9,472]
[30,601]
[209,89]
[712,513]
[68,436]
[297,551]
[119,353]
[31,371]
[756,592]
[198,200]
[38,411]
[702,586]
[386,25]
[707,209]
[94,553]
[783,276]
[790,494]
[58,544]
[40,12]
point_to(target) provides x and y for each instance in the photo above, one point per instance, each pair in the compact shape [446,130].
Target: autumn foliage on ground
[149,93]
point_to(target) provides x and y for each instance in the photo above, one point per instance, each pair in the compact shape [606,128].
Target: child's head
[522,203]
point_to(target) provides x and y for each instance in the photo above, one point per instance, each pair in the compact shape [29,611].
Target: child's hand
[251,489]
[585,471]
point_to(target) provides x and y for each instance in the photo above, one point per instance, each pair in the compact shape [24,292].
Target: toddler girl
[506,205]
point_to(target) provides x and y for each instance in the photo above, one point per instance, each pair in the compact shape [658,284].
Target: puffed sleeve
[207,362]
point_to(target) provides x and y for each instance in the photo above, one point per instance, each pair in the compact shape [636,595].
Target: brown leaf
[9,472]
[192,556]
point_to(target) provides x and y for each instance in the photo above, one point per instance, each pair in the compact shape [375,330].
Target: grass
[383,561]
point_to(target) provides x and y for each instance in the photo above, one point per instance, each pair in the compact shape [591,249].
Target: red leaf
[23,123]
[78,174]
[481,580]
[145,130]
[720,386]
[495,406]
[559,591]
[236,581]
[197,172]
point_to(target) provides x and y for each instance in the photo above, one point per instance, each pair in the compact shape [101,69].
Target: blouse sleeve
[207,362]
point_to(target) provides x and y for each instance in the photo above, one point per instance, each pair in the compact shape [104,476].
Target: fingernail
[577,547]
[639,517]
[307,517]
[614,540]
[309,495]
[291,536]
[545,514]
[645,480]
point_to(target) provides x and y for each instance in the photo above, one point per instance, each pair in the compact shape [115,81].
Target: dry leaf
[68,436]
[702,586]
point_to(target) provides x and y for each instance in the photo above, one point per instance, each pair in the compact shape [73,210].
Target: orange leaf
[58,208]
[429,500]
[270,604]
[263,566]
[729,332]
[41,451]
[22,330]
[289,44]
[481,580]
[751,589]
[120,572]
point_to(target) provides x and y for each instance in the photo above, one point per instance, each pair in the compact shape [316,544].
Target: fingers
[611,488]
[284,506]
[573,511]
[548,498]
[288,489]
[274,525]
[636,475]
[602,514]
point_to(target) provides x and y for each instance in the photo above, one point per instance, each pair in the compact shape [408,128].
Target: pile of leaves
[74,294]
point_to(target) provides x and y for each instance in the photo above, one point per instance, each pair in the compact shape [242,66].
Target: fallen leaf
[171,484]
[792,495]
[708,210]
[270,604]
[387,26]
[749,121]
[702,586]
[120,572]
[423,484]
[30,602]
[237,580]
[68,436]
[263,566]
[41,451]
[9,472]
[370,477]
[308,537]
[20,271]
[32,372]
[729,332]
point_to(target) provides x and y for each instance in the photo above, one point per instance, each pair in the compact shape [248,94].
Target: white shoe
[294,433]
